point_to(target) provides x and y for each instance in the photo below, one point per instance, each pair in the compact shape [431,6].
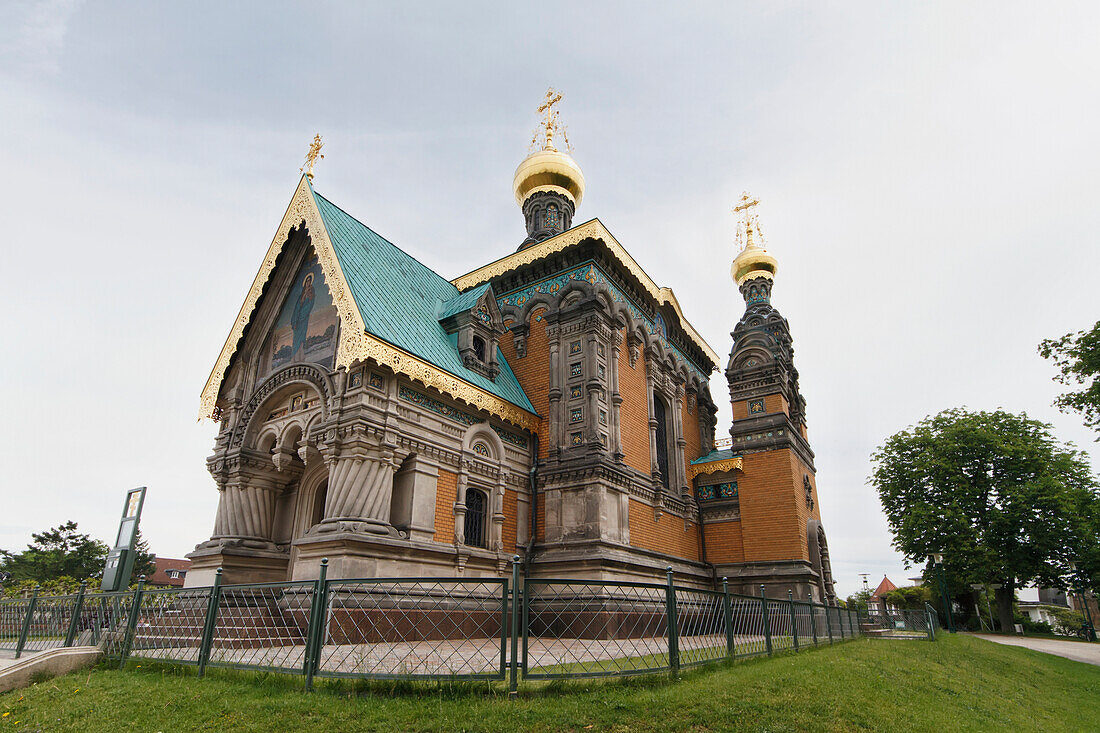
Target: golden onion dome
[549,170]
[753,261]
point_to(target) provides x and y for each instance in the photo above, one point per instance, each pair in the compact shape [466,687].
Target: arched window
[479,348]
[662,439]
[475,517]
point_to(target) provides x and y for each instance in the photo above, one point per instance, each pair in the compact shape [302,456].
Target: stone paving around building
[1078,651]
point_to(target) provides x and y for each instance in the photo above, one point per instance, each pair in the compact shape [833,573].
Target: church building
[552,404]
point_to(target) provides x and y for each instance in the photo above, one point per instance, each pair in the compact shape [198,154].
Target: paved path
[1077,650]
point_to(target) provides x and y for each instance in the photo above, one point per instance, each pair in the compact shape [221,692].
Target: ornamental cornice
[593,229]
[355,344]
[729,464]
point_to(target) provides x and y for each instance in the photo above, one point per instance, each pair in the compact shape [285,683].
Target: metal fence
[434,628]
[899,624]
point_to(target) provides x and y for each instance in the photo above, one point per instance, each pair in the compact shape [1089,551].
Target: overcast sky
[928,178]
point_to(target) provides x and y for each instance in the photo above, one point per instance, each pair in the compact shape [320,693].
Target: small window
[479,348]
[475,517]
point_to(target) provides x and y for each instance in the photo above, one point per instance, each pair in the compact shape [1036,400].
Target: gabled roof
[400,299]
[389,305]
[593,229]
[462,302]
[884,587]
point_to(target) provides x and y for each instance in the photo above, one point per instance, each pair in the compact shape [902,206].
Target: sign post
[120,560]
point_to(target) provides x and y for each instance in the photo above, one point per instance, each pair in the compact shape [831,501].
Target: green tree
[859,600]
[56,553]
[910,597]
[1077,356]
[145,562]
[994,492]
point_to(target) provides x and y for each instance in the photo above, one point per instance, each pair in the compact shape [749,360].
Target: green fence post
[813,617]
[513,630]
[315,631]
[26,630]
[78,608]
[828,623]
[131,624]
[794,621]
[673,630]
[851,628]
[727,613]
[767,621]
[209,622]
[526,626]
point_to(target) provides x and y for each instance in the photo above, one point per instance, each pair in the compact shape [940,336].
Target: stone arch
[539,299]
[818,547]
[296,374]
[482,433]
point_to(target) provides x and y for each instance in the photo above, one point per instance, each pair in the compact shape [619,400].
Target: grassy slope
[956,683]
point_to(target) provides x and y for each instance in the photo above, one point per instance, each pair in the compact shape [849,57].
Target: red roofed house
[876,600]
[170,572]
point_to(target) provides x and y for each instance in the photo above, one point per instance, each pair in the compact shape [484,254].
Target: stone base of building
[777,577]
[611,562]
[239,564]
[360,555]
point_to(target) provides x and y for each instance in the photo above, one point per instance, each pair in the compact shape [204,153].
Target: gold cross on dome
[313,156]
[747,223]
[550,126]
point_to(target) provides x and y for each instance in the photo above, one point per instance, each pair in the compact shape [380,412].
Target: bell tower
[784,542]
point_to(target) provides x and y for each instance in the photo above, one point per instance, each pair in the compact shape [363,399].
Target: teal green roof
[716,455]
[463,301]
[400,300]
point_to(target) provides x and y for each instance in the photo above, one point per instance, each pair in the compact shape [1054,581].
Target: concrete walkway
[1078,651]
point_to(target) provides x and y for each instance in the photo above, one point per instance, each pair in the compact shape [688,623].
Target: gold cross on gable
[313,156]
[550,126]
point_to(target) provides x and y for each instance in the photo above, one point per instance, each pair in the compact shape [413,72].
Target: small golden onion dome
[754,261]
[549,170]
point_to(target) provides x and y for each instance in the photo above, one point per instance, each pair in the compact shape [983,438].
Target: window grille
[475,518]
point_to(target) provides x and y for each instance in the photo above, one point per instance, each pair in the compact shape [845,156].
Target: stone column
[360,488]
[460,502]
[593,386]
[247,509]
[654,468]
[616,438]
[557,421]
[497,539]
[679,472]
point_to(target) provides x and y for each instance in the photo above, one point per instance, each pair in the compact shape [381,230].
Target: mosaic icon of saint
[299,320]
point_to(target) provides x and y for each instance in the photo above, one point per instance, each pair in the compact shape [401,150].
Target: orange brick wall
[694,440]
[634,412]
[668,535]
[773,527]
[446,493]
[508,531]
[533,371]
[724,543]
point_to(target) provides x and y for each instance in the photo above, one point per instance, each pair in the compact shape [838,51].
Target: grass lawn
[957,683]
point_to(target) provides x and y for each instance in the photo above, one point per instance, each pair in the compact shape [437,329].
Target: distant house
[876,600]
[170,572]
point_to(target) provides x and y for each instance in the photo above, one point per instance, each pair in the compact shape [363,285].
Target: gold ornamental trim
[354,343]
[302,209]
[593,229]
[729,464]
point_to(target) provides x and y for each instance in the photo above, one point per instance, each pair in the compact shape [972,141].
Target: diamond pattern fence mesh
[493,628]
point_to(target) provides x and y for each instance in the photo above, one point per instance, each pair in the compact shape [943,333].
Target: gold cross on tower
[549,126]
[747,223]
[313,156]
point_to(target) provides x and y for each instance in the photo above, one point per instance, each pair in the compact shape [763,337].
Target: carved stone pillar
[654,467]
[557,418]
[593,387]
[460,503]
[360,488]
[679,460]
[498,514]
[616,438]
[248,508]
